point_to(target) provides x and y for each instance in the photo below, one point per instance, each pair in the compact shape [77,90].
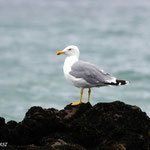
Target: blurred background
[114,34]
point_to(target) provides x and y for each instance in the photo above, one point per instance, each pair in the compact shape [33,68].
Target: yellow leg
[77,103]
[89,92]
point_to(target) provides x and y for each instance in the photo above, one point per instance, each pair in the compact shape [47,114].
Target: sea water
[114,34]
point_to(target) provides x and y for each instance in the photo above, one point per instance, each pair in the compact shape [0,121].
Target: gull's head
[71,50]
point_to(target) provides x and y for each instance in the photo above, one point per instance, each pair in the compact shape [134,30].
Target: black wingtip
[121,82]
[118,82]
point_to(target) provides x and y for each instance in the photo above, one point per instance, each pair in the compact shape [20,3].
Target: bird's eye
[69,49]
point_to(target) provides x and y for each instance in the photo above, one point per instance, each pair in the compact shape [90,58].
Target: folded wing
[91,73]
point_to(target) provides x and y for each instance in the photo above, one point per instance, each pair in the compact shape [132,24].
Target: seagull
[84,74]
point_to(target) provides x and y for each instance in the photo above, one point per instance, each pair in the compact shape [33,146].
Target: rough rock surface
[105,126]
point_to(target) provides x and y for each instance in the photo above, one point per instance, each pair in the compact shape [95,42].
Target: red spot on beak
[60,52]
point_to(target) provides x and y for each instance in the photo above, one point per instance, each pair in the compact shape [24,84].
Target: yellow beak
[60,52]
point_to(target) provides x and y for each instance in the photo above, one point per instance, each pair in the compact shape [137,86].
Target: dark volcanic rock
[105,126]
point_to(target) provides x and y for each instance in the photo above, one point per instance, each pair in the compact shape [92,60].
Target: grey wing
[91,73]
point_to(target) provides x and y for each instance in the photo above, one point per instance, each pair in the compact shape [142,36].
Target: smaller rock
[58,143]
[62,145]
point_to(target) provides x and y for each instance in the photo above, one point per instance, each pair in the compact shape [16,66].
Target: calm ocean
[114,34]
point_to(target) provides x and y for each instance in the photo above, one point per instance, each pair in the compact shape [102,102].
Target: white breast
[69,61]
